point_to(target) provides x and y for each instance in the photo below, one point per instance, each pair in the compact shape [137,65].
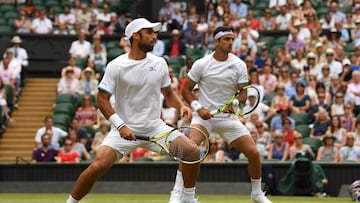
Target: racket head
[252,101]
[202,141]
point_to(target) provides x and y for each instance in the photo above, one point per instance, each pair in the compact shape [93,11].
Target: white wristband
[116,121]
[195,105]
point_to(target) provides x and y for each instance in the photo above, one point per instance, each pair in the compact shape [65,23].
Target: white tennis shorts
[228,126]
[124,147]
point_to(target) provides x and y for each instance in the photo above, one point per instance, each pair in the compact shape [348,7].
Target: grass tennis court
[140,198]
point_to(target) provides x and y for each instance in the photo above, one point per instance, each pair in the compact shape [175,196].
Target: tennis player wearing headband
[219,75]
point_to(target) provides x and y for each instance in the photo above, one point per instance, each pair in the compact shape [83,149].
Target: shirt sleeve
[195,72]
[108,82]
[243,75]
[166,81]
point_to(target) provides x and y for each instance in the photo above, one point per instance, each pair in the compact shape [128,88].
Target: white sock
[189,194]
[179,182]
[256,186]
[72,200]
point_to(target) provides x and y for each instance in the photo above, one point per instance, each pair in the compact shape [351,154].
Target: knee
[98,168]
[192,152]
[253,154]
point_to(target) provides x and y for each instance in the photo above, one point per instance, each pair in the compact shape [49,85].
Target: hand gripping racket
[251,92]
[178,153]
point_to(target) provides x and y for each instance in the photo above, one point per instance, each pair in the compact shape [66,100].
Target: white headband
[222,33]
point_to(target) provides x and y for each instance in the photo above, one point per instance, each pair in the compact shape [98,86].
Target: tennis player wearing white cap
[135,79]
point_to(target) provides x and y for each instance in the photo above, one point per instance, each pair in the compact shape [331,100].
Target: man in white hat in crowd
[21,55]
[320,53]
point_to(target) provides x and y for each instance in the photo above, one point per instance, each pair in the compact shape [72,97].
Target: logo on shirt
[152,68]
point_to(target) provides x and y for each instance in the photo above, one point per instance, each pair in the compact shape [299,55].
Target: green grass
[135,198]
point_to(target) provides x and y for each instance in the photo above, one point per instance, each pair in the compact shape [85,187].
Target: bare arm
[173,100]
[103,102]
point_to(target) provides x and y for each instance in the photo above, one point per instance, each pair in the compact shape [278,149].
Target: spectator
[66,154]
[193,16]
[334,39]
[354,87]
[83,17]
[159,48]
[328,22]
[357,133]
[124,44]
[68,84]
[337,107]
[203,26]
[239,7]
[209,41]
[337,131]
[254,80]
[101,29]
[263,136]
[294,44]
[321,125]
[87,114]
[307,8]
[185,23]
[284,76]
[139,153]
[344,33]
[299,149]
[5,115]
[253,22]
[267,22]
[175,46]
[114,26]
[41,24]
[100,135]
[72,64]
[250,120]
[288,132]
[320,53]
[194,38]
[264,54]
[260,147]
[7,75]
[175,84]
[276,121]
[166,7]
[298,62]
[29,9]
[278,147]
[300,102]
[210,11]
[92,24]
[66,17]
[325,76]
[349,97]
[80,48]
[104,15]
[265,113]
[77,146]
[81,133]
[355,33]
[345,76]
[61,30]
[15,67]
[22,24]
[216,154]
[350,152]
[337,15]
[99,57]
[280,98]
[88,84]
[268,80]
[44,154]
[328,152]
[348,120]
[283,20]
[52,17]
[94,7]
[315,107]
[313,24]
[169,23]
[57,133]
[277,4]
[290,88]
[321,89]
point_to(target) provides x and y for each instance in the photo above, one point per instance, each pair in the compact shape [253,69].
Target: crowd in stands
[308,75]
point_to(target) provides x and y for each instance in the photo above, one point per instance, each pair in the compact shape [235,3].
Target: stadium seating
[5,28]
[64,108]
[144,159]
[268,98]
[303,129]
[113,53]
[314,143]
[112,44]
[300,118]
[62,121]
[66,98]
[195,53]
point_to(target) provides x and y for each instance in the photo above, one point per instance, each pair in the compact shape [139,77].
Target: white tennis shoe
[261,198]
[175,196]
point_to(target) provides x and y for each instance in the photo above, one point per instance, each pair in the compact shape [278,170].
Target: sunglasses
[278,137]
[297,138]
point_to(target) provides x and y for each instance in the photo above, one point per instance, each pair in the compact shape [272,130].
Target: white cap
[138,24]
[346,62]
[251,92]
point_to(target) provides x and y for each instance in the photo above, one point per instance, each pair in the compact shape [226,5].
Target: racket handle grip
[214,112]
[139,137]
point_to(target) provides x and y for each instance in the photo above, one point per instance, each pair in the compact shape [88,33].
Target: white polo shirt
[218,80]
[136,86]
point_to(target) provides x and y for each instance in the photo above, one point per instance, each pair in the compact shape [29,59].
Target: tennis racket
[252,101]
[177,153]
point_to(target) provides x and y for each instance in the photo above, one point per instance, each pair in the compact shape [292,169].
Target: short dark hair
[222,29]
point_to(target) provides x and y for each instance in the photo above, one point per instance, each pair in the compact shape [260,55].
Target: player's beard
[145,47]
